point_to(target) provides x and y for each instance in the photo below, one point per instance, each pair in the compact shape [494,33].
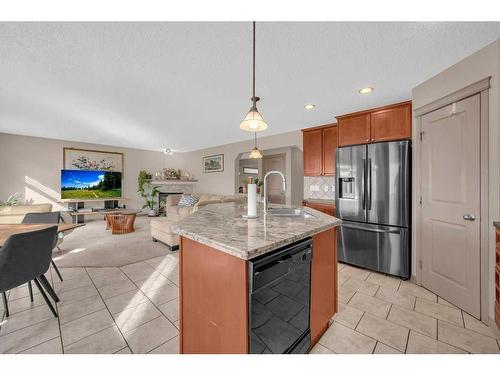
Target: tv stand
[76,208]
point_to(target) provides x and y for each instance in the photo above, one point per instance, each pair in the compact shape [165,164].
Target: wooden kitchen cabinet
[497,278]
[319,145]
[326,208]
[354,130]
[214,296]
[323,283]
[313,153]
[330,144]
[389,123]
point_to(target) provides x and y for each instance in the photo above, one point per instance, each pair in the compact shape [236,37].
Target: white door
[450,179]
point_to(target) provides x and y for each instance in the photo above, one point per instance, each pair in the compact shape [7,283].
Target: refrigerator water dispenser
[346,187]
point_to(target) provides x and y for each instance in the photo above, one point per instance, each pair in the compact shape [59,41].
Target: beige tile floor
[131,309]
[135,309]
[381,314]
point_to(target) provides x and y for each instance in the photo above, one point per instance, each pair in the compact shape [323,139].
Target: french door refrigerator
[372,197]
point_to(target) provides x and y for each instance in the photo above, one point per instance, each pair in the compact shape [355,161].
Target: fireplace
[162,200]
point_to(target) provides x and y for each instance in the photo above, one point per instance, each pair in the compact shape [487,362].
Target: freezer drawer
[375,247]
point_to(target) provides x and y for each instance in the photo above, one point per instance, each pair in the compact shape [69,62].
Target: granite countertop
[320,201]
[497,224]
[221,226]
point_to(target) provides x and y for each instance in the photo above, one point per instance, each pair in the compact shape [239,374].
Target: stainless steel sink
[289,211]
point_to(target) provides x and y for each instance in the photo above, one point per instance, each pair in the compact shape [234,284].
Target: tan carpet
[94,246]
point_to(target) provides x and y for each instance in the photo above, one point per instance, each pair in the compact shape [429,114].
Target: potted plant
[147,191]
[259,183]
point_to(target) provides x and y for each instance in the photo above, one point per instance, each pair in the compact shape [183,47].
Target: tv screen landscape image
[79,184]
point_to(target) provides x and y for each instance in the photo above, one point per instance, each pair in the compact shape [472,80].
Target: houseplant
[259,183]
[147,191]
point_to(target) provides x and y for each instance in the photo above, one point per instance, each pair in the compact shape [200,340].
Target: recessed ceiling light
[366,90]
[309,106]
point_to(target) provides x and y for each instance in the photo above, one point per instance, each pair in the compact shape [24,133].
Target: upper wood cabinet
[330,144]
[392,122]
[313,154]
[354,130]
[319,146]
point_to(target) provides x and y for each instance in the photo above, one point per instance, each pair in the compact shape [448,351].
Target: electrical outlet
[326,188]
[314,188]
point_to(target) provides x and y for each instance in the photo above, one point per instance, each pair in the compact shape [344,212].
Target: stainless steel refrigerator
[372,197]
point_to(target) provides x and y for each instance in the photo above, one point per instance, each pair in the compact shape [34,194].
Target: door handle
[469,217]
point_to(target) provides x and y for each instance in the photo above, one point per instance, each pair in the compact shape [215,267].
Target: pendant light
[253,121]
[255,153]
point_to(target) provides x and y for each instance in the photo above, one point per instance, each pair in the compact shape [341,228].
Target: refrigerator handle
[363,184]
[369,229]
[369,184]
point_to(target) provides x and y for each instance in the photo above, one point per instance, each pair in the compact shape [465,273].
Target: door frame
[276,155]
[482,88]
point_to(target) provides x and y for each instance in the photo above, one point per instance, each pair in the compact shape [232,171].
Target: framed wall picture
[213,163]
[75,158]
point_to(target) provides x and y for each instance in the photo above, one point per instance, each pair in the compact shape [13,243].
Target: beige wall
[31,166]
[479,65]
[224,182]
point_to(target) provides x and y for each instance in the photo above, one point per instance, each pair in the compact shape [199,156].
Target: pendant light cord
[253,96]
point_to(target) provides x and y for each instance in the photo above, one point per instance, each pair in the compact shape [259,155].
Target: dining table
[7,230]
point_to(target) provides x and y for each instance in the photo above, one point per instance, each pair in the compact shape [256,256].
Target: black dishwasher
[279,300]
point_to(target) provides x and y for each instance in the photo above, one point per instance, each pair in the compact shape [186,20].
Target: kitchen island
[219,255]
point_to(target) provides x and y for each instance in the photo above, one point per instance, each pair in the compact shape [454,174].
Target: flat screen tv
[79,184]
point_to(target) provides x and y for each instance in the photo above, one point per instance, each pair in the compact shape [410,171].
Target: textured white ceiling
[187,86]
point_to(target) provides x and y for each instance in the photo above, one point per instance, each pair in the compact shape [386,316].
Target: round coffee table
[121,222]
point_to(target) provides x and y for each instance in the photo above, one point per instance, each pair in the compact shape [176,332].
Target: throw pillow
[187,201]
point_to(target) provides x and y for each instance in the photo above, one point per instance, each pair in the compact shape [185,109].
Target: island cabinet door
[213,301]
[323,282]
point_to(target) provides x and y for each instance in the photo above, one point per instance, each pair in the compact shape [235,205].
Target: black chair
[45,218]
[25,257]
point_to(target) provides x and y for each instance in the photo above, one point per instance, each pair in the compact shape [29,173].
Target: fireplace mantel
[173,182]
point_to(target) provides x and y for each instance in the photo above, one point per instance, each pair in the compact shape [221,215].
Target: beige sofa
[15,214]
[160,226]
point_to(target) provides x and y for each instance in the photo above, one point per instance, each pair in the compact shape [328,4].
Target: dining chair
[25,257]
[46,218]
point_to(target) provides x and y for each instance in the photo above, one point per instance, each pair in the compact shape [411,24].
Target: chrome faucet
[266,201]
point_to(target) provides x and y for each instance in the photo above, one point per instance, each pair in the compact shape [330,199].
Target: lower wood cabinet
[324,299]
[328,209]
[497,279]
[214,303]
